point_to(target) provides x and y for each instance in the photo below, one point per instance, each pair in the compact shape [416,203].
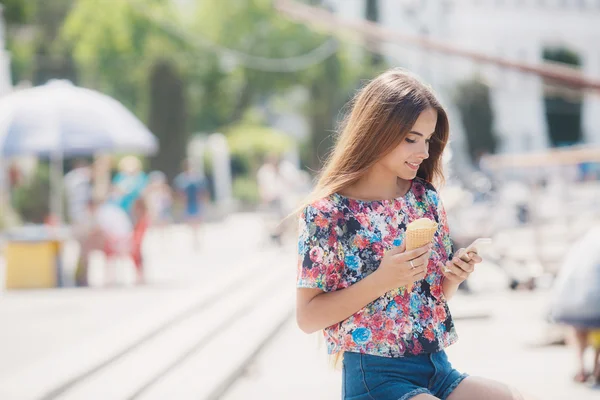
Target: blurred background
[151,149]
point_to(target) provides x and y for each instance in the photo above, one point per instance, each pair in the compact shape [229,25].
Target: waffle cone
[419,233]
[419,237]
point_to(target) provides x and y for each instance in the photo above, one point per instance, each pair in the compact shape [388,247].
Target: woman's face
[404,161]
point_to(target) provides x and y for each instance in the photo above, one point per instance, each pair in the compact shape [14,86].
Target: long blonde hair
[382,113]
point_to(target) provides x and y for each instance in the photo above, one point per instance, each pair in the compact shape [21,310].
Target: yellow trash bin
[32,260]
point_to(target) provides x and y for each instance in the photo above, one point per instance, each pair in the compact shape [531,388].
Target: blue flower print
[373,238]
[392,309]
[361,335]
[302,246]
[434,198]
[352,262]
[415,301]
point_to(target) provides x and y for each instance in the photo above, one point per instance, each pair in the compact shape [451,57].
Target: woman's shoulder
[424,190]
[425,184]
[325,206]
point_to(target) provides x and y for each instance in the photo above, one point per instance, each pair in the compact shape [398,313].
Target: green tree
[562,104]
[253,29]
[33,28]
[115,47]
[230,56]
[123,52]
[473,102]
[168,117]
[372,14]
[17,12]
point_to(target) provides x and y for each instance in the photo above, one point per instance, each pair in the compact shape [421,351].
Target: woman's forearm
[330,308]
[449,288]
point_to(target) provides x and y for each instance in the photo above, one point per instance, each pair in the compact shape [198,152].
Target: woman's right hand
[401,268]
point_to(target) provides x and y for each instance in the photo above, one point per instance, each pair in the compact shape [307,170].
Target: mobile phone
[477,245]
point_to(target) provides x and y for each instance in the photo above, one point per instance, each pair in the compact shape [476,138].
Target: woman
[353,269]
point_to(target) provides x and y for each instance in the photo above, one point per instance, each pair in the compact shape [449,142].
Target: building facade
[518,30]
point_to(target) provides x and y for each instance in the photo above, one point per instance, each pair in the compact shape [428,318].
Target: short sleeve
[320,259]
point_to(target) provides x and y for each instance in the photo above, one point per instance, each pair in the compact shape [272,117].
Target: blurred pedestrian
[159,199]
[576,301]
[129,183]
[582,339]
[384,309]
[108,229]
[141,223]
[281,186]
[271,188]
[78,190]
[192,191]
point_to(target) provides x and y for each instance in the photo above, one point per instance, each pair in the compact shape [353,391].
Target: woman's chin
[407,175]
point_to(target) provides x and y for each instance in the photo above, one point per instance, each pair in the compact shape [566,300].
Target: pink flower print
[354,206]
[391,338]
[389,325]
[323,205]
[332,240]
[377,321]
[361,242]
[321,221]
[316,254]
[357,319]
[440,313]
[419,190]
[406,307]
[337,216]
[348,342]
[378,336]
[378,249]
[426,313]
[401,347]
[417,348]
[436,291]
[429,334]
[332,281]
[398,205]
[363,220]
[315,272]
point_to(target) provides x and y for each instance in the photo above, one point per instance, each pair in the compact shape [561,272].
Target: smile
[413,166]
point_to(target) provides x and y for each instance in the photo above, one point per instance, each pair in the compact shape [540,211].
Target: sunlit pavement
[502,334]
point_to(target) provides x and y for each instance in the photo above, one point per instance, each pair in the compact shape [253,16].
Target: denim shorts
[368,377]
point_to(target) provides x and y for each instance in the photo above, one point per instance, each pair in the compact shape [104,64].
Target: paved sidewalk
[37,324]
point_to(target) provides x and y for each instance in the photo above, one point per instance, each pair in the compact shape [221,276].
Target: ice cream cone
[419,233]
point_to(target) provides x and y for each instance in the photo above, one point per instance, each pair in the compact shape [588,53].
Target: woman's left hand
[457,270]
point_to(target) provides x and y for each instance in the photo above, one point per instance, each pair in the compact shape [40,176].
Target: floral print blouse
[343,240]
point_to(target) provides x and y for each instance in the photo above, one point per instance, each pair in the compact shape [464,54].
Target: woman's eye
[411,140]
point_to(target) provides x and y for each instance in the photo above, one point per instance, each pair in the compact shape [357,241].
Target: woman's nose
[424,153]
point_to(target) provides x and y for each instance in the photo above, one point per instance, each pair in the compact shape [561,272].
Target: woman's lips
[413,166]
